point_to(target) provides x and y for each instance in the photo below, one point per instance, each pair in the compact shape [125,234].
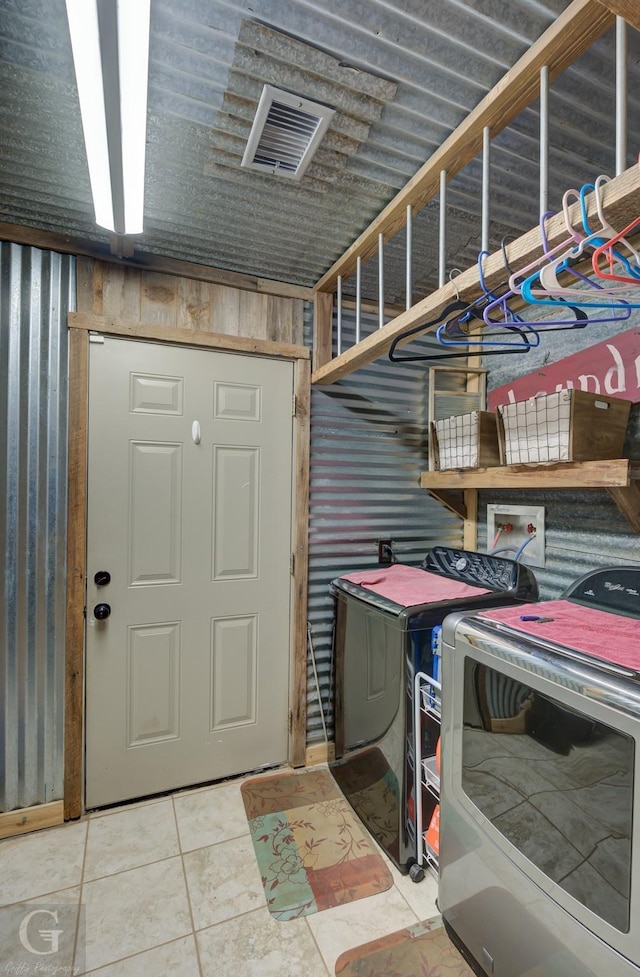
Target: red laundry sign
[611,367]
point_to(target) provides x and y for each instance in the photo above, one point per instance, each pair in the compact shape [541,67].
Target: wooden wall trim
[470,522]
[322,329]
[76,572]
[320,753]
[571,34]
[36,238]
[158,332]
[31,819]
[301,562]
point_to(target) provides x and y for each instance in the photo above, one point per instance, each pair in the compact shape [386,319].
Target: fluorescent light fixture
[110,43]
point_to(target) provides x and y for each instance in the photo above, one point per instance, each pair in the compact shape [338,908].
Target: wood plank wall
[184,303]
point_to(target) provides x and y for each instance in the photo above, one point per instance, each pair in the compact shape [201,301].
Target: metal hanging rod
[621,95]
[380,281]
[409,249]
[486,186]
[339,316]
[442,237]
[358,296]
[544,139]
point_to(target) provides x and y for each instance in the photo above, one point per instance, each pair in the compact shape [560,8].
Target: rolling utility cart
[427,706]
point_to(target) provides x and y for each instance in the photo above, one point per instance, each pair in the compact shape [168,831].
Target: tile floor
[171,886]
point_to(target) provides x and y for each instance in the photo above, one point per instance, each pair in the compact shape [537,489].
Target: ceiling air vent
[285,134]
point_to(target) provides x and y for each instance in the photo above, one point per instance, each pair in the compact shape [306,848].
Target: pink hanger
[559,249]
[606,250]
[548,275]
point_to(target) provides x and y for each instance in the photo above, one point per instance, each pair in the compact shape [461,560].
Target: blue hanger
[570,296]
[579,320]
[594,238]
[450,333]
[622,307]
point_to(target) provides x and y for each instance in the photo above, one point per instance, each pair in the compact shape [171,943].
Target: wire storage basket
[466,441]
[568,425]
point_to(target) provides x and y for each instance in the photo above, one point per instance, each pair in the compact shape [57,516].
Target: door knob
[102,578]
[101,611]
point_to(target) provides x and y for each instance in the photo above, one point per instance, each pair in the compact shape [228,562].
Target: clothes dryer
[540,782]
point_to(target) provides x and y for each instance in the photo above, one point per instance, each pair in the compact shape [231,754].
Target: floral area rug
[312,851]
[423,950]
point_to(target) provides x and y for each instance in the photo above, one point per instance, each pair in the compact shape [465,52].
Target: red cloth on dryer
[609,637]
[408,586]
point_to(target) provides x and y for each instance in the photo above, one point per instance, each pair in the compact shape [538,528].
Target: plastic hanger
[595,297]
[559,251]
[434,357]
[557,259]
[507,333]
[576,234]
[605,250]
[594,239]
[456,306]
[552,293]
[609,231]
[466,309]
[500,300]
[571,230]
[514,287]
[579,318]
[451,334]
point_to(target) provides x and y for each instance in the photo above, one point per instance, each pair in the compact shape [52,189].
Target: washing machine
[540,782]
[384,629]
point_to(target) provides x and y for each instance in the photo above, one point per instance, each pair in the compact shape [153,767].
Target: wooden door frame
[80,325]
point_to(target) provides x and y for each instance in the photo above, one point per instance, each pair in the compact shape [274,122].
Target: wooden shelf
[615,472]
[618,476]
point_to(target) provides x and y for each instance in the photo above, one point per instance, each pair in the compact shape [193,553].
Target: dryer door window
[556,784]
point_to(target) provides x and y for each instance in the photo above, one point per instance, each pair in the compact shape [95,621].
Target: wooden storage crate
[569,425]
[465,441]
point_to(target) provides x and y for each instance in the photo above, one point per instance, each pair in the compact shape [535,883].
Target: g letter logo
[48,938]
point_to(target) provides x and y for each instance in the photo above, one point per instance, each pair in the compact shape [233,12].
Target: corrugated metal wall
[368,447]
[37,289]
[584,529]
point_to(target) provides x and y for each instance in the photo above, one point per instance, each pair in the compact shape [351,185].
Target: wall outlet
[385,551]
[510,527]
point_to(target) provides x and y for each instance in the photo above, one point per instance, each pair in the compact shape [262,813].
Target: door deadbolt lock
[101,612]
[102,578]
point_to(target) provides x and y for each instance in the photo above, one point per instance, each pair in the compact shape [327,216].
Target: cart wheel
[416,872]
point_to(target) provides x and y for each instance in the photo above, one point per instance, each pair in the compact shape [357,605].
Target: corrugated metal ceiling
[402,73]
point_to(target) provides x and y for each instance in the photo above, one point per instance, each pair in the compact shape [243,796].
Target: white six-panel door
[189,512]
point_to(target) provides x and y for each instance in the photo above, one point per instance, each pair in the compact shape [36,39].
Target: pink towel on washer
[610,637]
[410,585]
